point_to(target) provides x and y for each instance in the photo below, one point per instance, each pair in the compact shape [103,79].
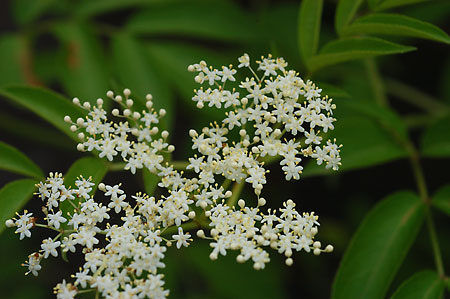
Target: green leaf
[386,117]
[359,150]
[13,196]
[345,11]
[151,181]
[394,24]
[90,8]
[49,105]
[441,199]
[436,139]
[172,60]
[26,11]
[12,159]
[309,19]
[137,73]
[34,132]
[12,50]
[84,70]
[424,284]
[373,3]
[87,167]
[219,20]
[346,49]
[386,4]
[379,247]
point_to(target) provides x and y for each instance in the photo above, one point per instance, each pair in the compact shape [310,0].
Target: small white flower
[182,239]
[55,220]
[49,247]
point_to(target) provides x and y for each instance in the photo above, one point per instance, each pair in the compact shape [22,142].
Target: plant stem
[416,97]
[423,192]
[434,243]
[414,157]
[237,189]
[179,165]
[376,82]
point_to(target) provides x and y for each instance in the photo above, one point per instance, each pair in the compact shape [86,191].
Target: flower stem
[237,189]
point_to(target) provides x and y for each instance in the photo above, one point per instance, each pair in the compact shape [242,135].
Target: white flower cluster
[271,112]
[122,258]
[127,266]
[249,231]
[134,137]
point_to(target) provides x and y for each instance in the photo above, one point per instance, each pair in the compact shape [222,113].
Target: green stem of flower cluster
[237,189]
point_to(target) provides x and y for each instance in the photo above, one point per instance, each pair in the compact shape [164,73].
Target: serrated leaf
[219,20]
[387,4]
[359,150]
[345,12]
[379,247]
[441,199]
[423,284]
[436,139]
[49,105]
[394,24]
[84,70]
[14,196]
[309,19]
[87,167]
[346,49]
[13,160]
[137,73]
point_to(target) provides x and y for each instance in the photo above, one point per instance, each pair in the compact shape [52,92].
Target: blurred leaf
[436,139]
[220,20]
[309,19]
[13,196]
[26,11]
[137,73]
[87,167]
[386,117]
[173,59]
[441,199]
[345,12]
[332,91]
[90,8]
[34,132]
[394,24]
[49,105]
[13,160]
[435,12]
[11,59]
[394,3]
[354,48]
[224,277]
[359,150]
[379,247]
[84,71]
[423,284]
[150,181]
[373,3]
